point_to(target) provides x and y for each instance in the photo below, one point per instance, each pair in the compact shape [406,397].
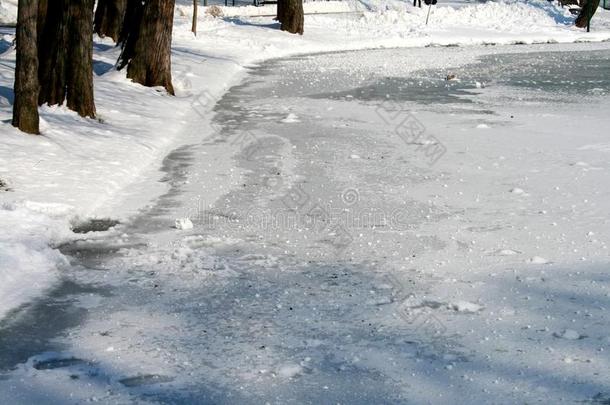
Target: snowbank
[28,264]
[109,167]
[8,12]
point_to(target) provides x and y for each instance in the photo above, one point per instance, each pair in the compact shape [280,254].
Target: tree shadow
[239,21]
[31,328]
[4,45]
[556,13]
[100,67]
[8,94]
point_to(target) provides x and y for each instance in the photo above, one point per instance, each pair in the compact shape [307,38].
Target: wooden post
[194,27]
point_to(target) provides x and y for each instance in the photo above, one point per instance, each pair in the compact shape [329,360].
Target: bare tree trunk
[586,13]
[147,40]
[129,31]
[280,10]
[292,18]
[194,27]
[25,107]
[65,52]
[109,16]
[52,51]
[79,81]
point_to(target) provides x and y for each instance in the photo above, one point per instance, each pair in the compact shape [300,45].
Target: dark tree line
[55,49]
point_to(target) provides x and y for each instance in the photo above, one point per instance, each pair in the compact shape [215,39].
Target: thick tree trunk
[292,18]
[586,13]
[52,51]
[25,107]
[109,16]
[280,10]
[79,81]
[147,43]
[65,52]
[131,21]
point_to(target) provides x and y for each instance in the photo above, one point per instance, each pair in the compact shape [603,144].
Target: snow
[8,11]
[184,224]
[28,262]
[487,245]
[465,306]
[289,370]
[538,260]
[569,334]
[291,119]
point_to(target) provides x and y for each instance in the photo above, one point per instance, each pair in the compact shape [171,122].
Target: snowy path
[349,260]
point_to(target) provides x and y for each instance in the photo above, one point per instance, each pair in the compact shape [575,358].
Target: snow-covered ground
[86,166]
[8,12]
[522,180]
[476,273]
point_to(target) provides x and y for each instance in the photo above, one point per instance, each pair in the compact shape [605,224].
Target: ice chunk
[183,224]
[465,306]
[291,118]
[538,260]
[569,334]
[289,370]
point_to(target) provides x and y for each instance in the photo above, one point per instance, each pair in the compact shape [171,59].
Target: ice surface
[335,257]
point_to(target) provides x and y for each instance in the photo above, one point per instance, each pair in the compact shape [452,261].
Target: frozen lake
[388,236]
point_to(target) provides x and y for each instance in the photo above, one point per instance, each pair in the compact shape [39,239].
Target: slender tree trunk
[65,52]
[147,43]
[194,27]
[25,107]
[109,16]
[292,18]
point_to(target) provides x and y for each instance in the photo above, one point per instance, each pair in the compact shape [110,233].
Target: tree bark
[109,16]
[292,17]
[52,51]
[147,40]
[132,19]
[65,53]
[25,107]
[589,8]
[79,81]
[280,10]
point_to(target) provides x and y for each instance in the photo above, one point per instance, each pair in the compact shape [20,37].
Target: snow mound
[8,12]
[28,263]
[183,224]
[291,119]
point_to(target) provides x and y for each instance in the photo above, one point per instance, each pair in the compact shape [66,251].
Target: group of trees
[55,51]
